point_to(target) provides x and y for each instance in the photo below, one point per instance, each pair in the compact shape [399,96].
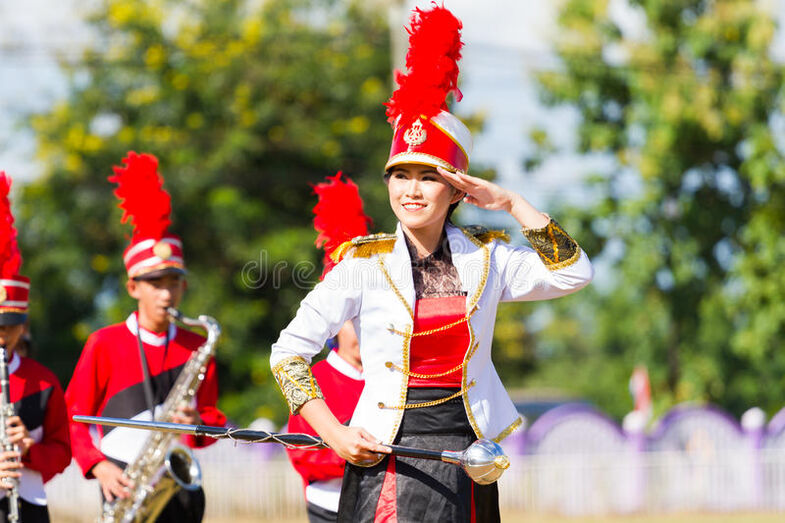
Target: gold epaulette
[486,235]
[365,246]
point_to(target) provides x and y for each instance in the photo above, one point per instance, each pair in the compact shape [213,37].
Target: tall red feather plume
[432,63]
[10,257]
[142,198]
[339,215]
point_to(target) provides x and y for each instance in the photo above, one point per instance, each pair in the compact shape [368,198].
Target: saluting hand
[489,196]
[18,434]
[479,192]
[9,467]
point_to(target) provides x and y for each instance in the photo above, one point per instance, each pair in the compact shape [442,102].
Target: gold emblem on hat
[3,294]
[163,250]
[415,135]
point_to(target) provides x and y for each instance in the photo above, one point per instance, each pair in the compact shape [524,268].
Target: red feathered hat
[152,251]
[424,131]
[14,289]
[339,216]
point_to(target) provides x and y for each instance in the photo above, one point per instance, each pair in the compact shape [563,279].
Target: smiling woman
[423,303]
[421,199]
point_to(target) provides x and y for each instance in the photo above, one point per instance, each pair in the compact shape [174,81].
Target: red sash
[433,354]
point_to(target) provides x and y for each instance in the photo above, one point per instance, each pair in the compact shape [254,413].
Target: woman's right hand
[355,444]
[9,467]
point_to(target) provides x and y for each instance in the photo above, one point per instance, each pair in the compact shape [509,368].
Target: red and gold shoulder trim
[365,246]
[484,235]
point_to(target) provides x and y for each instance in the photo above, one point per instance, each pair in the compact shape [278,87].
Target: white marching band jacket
[374,288]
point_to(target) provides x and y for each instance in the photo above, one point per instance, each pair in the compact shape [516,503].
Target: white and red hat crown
[424,131]
[14,288]
[148,207]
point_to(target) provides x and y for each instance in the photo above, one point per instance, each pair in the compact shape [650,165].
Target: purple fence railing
[696,457]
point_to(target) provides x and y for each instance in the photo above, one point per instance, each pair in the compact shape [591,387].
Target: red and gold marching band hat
[424,131]
[153,251]
[14,289]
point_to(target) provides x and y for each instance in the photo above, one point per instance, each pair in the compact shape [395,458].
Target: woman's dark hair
[452,208]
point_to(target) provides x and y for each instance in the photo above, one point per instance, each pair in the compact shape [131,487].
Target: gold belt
[427,403]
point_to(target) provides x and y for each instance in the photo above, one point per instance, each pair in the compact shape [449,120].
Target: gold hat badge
[163,250]
[416,134]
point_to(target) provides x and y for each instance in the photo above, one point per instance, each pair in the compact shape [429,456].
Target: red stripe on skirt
[387,507]
[474,508]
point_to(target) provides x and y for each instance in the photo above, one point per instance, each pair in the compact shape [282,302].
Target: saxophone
[162,467]
[6,412]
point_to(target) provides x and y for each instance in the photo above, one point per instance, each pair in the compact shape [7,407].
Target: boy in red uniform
[39,427]
[340,378]
[339,217]
[126,370]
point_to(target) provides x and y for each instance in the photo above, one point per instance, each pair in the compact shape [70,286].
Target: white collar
[343,366]
[13,365]
[148,337]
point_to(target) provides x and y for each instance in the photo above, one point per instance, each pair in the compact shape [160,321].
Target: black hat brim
[12,318]
[159,273]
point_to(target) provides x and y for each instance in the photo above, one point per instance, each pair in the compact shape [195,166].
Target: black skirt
[416,490]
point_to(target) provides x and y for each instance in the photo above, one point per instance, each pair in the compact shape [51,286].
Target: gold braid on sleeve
[555,247]
[297,382]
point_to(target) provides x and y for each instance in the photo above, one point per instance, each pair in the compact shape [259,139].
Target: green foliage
[688,110]
[244,107]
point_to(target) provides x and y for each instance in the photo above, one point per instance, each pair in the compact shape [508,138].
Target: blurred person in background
[39,426]
[340,378]
[339,217]
[423,303]
[127,370]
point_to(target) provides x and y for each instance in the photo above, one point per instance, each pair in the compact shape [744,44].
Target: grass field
[517,517]
[523,517]
[655,518]
[512,517]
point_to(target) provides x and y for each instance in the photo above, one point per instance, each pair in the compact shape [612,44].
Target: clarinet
[6,412]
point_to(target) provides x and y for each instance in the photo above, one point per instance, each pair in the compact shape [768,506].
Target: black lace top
[434,275]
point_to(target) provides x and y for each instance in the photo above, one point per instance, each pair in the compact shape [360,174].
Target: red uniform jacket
[341,393]
[108,381]
[38,400]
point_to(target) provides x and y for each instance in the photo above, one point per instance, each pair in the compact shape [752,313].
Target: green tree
[688,111]
[244,107]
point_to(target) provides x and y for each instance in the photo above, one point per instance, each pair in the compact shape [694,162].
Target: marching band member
[126,370]
[339,217]
[39,427]
[340,379]
[423,303]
